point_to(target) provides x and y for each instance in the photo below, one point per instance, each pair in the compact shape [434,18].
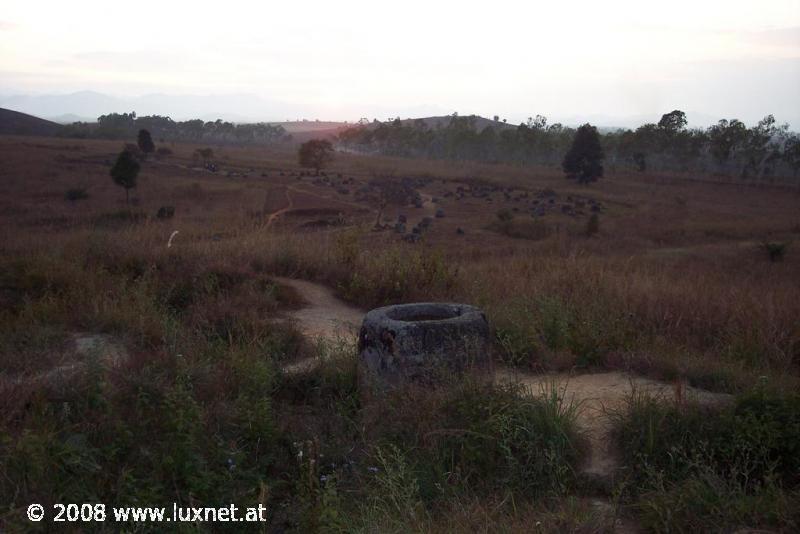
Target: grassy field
[671,281]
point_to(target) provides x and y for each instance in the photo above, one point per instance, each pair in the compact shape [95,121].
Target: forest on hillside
[126,126]
[765,151]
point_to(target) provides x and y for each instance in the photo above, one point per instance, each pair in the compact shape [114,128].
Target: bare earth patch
[324,318]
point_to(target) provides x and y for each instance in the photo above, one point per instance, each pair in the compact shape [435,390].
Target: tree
[145,142]
[791,153]
[673,122]
[762,148]
[124,172]
[316,153]
[725,139]
[584,159]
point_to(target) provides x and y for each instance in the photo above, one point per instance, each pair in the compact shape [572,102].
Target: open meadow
[144,348]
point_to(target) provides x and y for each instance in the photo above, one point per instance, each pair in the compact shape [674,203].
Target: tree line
[765,150]
[126,125]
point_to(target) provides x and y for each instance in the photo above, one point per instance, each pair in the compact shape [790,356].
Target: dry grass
[673,286]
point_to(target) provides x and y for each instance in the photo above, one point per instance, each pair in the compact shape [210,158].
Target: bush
[551,333]
[316,153]
[775,251]
[396,275]
[473,437]
[166,212]
[693,467]
[505,215]
[76,193]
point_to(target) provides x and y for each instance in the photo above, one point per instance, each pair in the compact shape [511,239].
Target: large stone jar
[421,343]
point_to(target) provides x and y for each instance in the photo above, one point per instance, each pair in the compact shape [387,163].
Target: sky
[349,59]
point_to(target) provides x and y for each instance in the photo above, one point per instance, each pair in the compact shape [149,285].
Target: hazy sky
[346,59]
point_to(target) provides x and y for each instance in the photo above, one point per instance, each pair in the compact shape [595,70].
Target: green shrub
[692,467]
[480,438]
[532,331]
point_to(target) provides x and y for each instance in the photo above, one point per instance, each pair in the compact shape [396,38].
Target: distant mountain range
[86,106]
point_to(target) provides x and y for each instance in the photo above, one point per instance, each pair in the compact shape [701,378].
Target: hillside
[16,123]
[444,120]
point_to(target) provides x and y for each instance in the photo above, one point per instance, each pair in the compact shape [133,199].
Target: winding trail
[275,214]
[325,316]
[599,396]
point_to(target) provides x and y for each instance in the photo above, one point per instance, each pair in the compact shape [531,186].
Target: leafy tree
[725,138]
[791,153]
[145,142]
[584,160]
[673,122]
[762,148]
[316,153]
[640,160]
[124,172]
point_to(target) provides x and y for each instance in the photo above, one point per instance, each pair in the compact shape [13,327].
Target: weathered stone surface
[421,343]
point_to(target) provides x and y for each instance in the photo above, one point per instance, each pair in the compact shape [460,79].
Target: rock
[460,231]
[400,228]
[439,213]
[402,218]
[421,343]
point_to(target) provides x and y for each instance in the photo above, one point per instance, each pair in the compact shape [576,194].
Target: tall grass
[710,468]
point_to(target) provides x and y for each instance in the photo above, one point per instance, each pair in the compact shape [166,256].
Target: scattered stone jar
[421,343]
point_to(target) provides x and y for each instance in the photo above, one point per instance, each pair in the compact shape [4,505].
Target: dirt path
[324,318]
[599,395]
[289,205]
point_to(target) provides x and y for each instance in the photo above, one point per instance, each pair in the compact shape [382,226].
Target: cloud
[7,26]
